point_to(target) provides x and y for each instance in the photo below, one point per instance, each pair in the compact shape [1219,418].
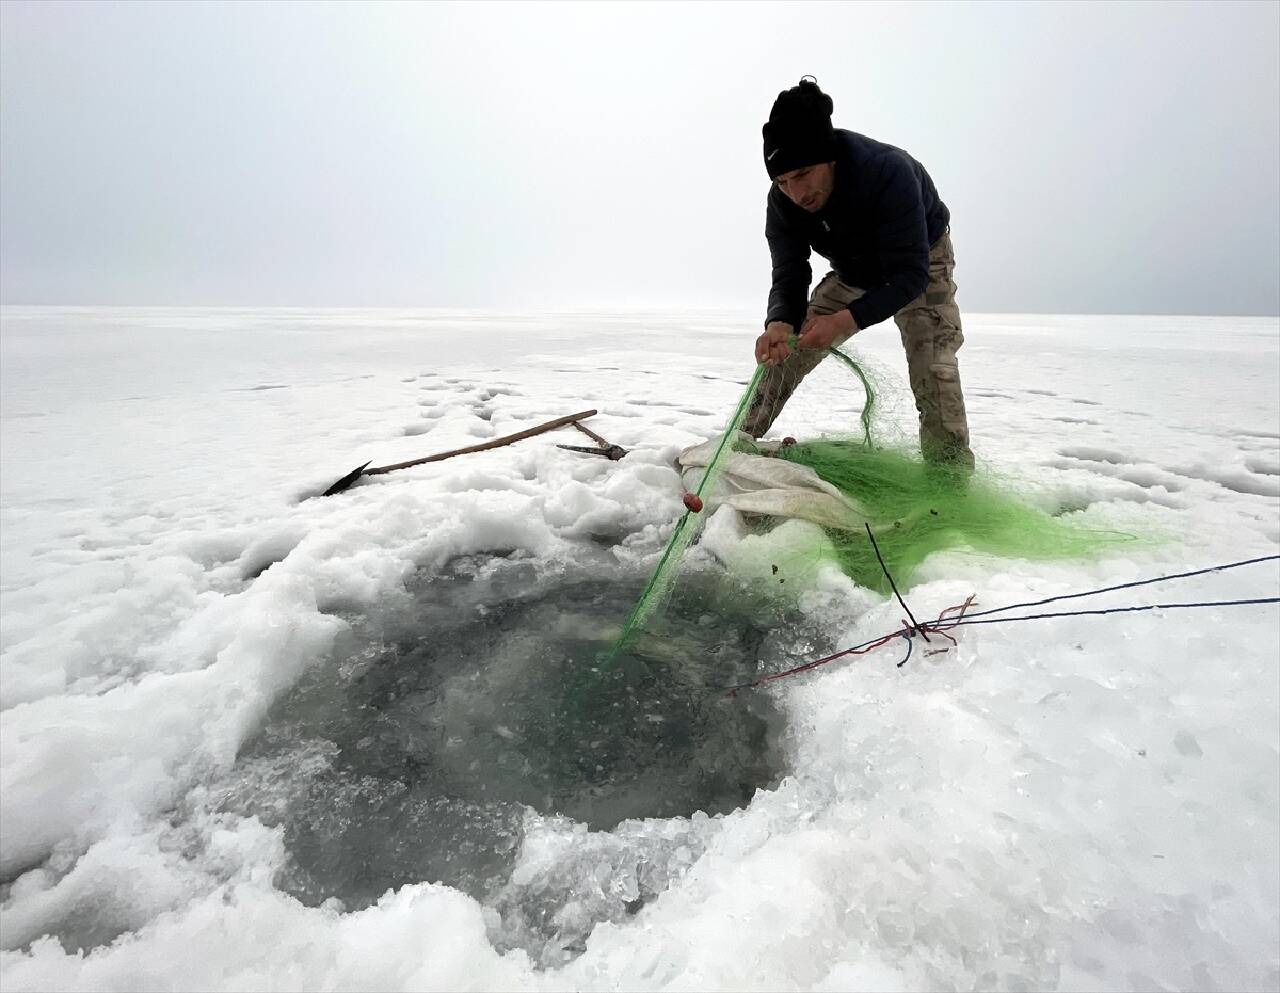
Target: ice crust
[1070,804]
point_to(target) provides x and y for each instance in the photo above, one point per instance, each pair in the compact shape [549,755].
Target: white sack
[757,484]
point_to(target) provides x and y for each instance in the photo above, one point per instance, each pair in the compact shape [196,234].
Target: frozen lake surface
[251,740]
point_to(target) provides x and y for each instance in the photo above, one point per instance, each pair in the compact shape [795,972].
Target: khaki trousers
[931,335]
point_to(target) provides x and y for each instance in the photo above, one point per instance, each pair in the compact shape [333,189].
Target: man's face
[810,186]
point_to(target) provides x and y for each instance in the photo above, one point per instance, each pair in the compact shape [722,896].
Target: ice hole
[480,695]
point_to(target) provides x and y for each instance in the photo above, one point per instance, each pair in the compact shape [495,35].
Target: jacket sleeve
[789,295]
[903,238]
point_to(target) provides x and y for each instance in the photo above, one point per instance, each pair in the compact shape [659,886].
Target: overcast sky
[1096,157]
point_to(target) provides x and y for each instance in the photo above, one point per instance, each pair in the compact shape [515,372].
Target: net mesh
[914,508]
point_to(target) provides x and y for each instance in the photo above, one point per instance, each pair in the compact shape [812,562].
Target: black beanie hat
[799,131]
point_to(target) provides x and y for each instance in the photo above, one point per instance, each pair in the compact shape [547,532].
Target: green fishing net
[914,508]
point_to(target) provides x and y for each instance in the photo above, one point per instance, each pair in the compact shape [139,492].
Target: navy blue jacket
[875,229]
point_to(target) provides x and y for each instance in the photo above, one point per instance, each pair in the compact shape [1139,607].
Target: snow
[1082,803]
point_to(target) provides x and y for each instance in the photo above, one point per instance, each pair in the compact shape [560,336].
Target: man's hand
[821,332]
[772,347]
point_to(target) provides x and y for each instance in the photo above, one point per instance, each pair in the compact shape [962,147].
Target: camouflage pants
[931,335]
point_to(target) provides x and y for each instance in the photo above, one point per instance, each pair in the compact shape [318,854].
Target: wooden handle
[591,434]
[559,422]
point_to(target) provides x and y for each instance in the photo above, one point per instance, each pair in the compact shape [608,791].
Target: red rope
[907,631]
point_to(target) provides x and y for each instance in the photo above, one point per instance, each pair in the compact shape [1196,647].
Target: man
[873,212]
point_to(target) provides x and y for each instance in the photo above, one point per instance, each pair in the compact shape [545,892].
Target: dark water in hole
[414,755]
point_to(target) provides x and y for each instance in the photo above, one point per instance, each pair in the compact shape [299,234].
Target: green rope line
[668,555]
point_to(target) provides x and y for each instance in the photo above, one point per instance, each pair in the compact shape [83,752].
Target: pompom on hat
[799,131]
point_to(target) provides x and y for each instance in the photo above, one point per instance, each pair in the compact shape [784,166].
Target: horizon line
[580,308]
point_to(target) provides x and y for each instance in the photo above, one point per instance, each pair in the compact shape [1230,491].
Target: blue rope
[984,617]
[947,625]
[1125,586]
[906,658]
